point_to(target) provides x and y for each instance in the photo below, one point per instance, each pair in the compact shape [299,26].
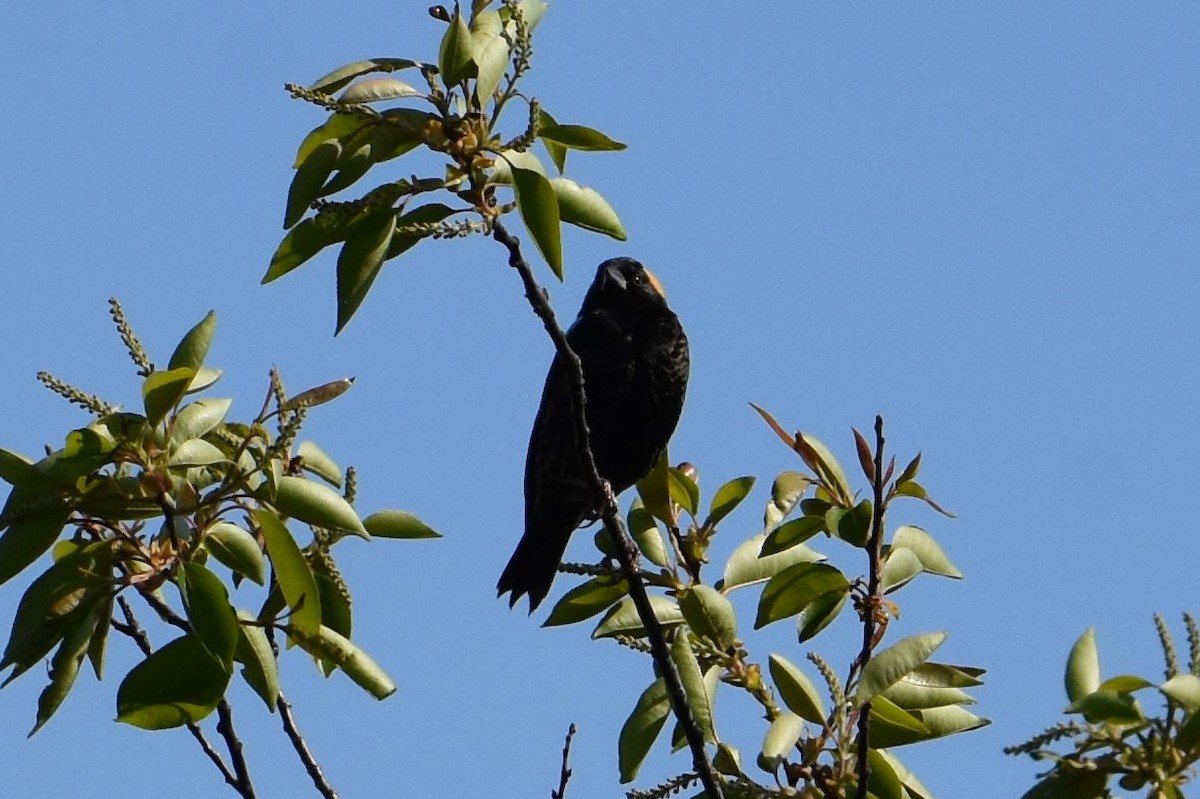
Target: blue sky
[979,221]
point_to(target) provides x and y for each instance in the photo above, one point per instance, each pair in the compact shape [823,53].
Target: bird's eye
[639,277]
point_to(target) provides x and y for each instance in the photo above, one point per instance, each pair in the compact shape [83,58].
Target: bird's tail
[533,565]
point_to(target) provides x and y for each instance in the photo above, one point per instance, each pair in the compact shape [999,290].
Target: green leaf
[709,614]
[788,592]
[927,550]
[1183,688]
[641,729]
[1075,783]
[586,600]
[1082,676]
[292,571]
[196,452]
[507,160]
[360,260]
[337,128]
[192,349]
[645,532]
[17,470]
[900,567]
[538,205]
[317,504]
[915,788]
[328,84]
[237,549]
[747,567]
[1188,738]
[786,491]
[852,526]
[309,179]
[693,686]
[728,497]
[623,619]
[683,490]
[796,690]
[586,208]
[1108,706]
[162,391]
[949,720]
[883,782]
[64,667]
[259,668]
[654,490]
[892,725]
[373,90]
[328,645]
[887,667]
[456,54]
[579,137]
[212,619]
[304,241]
[818,614]
[556,151]
[28,536]
[792,533]
[77,580]
[179,683]
[709,685]
[314,461]
[728,760]
[398,524]
[491,53]
[98,645]
[918,691]
[820,459]
[779,741]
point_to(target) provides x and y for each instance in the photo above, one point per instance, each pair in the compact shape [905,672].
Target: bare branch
[626,550]
[873,604]
[301,746]
[565,774]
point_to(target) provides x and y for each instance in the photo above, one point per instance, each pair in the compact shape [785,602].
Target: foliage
[815,739]
[180,505]
[1116,738]
[481,61]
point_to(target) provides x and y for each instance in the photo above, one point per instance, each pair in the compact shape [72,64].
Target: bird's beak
[613,275]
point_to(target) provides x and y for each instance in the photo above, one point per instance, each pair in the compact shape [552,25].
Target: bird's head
[624,284]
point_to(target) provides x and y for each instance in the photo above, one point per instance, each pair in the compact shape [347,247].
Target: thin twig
[873,604]
[133,629]
[565,775]
[301,746]
[626,550]
[234,745]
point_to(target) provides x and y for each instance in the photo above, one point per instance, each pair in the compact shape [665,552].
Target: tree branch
[239,782]
[626,550]
[565,774]
[301,746]
[874,602]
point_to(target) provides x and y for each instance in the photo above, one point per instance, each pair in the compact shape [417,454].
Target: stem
[873,603]
[565,775]
[240,782]
[301,746]
[626,550]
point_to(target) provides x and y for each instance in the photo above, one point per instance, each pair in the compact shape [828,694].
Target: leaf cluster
[146,503]
[1116,738]
[456,113]
[810,742]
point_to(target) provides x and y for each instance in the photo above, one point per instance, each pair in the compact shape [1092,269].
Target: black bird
[635,372]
